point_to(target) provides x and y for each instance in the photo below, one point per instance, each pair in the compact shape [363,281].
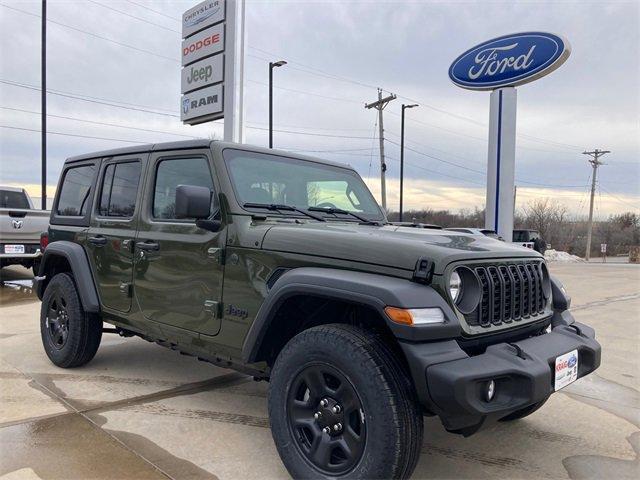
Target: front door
[178,273]
[113,229]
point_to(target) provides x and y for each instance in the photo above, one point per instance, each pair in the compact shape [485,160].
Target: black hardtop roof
[197,143]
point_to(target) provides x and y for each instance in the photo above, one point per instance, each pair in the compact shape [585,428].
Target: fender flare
[372,290]
[80,268]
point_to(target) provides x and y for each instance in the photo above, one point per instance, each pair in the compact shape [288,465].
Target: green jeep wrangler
[284,267]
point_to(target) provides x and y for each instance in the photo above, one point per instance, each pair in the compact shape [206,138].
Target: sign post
[212,61]
[500,65]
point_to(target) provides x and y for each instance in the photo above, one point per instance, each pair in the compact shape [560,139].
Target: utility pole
[404,107]
[272,65]
[595,163]
[379,105]
[43,99]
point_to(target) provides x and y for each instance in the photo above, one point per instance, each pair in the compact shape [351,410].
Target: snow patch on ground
[552,255]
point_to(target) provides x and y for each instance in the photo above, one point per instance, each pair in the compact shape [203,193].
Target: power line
[152,10]
[635,207]
[95,35]
[76,97]
[133,16]
[306,93]
[313,134]
[325,74]
[128,127]
[73,135]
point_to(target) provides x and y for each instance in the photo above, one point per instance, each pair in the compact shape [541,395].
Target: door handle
[148,246]
[98,241]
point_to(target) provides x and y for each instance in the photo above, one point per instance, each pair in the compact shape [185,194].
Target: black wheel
[524,412]
[342,405]
[70,336]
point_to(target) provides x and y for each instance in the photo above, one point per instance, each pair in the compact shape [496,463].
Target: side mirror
[193,202]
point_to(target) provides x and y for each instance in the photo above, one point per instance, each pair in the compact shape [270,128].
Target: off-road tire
[84,331]
[524,412]
[392,416]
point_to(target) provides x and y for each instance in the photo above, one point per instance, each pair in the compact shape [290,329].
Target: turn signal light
[415,316]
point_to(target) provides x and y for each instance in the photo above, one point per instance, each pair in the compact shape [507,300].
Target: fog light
[490,390]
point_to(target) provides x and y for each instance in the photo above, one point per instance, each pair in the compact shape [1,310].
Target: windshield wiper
[344,212]
[287,208]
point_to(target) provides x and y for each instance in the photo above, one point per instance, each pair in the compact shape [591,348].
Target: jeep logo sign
[204,105]
[510,60]
[203,73]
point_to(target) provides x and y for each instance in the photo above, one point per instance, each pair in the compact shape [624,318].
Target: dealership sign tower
[212,65]
[500,65]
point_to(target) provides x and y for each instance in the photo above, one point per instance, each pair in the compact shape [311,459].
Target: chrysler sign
[509,61]
[201,16]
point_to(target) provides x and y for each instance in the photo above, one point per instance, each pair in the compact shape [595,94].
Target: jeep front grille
[511,292]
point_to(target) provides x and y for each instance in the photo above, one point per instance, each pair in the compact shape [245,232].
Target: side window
[74,193]
[178,171]
[119,189]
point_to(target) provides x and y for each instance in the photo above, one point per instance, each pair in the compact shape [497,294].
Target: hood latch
[423,271]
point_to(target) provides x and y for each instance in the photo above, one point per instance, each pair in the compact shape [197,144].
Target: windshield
[271,179]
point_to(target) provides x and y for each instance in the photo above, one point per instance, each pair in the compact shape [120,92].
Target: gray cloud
[405,47]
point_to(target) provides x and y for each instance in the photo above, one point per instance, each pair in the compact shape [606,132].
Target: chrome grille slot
[511,292]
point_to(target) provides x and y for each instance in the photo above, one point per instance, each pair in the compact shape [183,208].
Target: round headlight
[465,289]
[455,286]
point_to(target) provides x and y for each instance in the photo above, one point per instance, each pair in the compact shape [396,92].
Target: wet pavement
[139,411]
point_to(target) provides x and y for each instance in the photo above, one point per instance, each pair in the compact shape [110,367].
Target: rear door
[178,273]
[112,232]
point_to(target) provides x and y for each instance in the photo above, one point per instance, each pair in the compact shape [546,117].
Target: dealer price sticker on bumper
[566,369]
[14,249]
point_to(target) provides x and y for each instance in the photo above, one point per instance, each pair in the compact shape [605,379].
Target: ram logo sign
[509,61]
[202,105]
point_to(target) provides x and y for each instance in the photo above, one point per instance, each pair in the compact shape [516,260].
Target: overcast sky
[338,53]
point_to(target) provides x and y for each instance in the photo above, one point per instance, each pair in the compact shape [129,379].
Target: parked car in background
[430,226]
[530,239]
[478,231]
[20,228]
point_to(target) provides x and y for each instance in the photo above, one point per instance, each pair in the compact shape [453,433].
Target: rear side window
[119,189]
[74,193]
[178,171]
[11,199]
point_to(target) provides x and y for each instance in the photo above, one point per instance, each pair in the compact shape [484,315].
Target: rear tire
[379,419]
[70,336]
[524,412]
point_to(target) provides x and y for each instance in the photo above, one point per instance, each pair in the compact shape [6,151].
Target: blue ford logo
[572,361]
[509,61]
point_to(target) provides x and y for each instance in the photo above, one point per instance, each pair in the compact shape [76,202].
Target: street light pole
[43,100]
[404,107]
[272,65]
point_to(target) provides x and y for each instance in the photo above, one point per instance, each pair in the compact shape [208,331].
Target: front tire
[341,405]
[70,336]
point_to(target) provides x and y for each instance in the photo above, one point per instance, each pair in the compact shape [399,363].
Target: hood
[389,245]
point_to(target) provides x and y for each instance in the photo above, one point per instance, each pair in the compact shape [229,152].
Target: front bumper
[451,384]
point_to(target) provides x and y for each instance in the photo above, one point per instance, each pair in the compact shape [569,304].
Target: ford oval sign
[509,60]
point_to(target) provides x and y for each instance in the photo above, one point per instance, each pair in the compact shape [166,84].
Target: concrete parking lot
[139,411]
